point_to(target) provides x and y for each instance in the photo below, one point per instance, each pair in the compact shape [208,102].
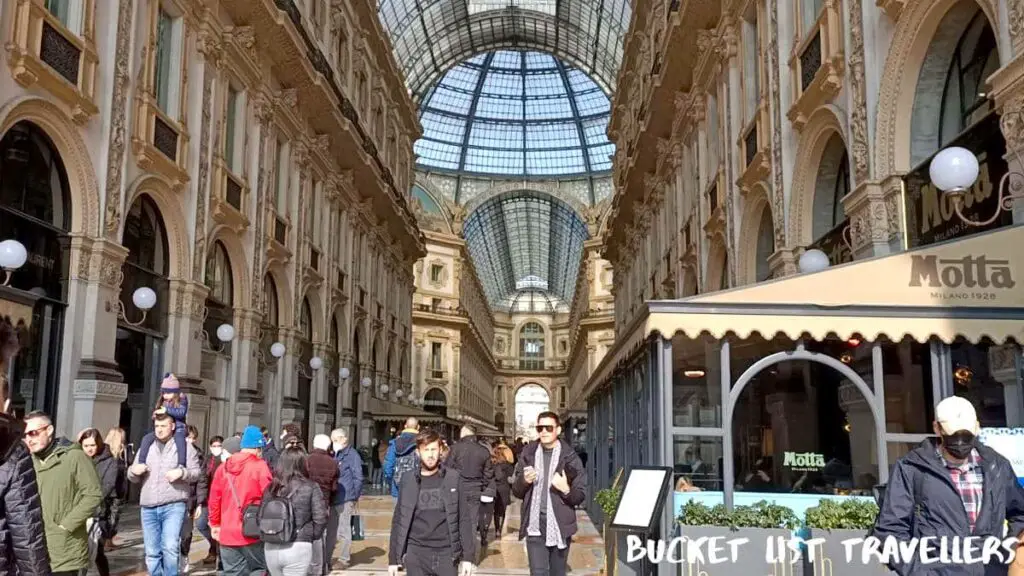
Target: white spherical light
[225,332]
[277,350]
[384,389]
[12,255]
[316,363]
[144,298]
[399,393]
[343,373]
[954,168]
[813,260]
[365,382]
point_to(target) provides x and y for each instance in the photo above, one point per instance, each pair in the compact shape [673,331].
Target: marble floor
[504,556]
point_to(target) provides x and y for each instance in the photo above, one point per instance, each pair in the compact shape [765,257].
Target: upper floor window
[531,347]
[306,321]
[234,128]
[281,182]
[751,62]
[218,275]
[435,272]
[712,135]
[67,12]
[311,211]
[964,100]
[342,48]
[167,72]
[810,10]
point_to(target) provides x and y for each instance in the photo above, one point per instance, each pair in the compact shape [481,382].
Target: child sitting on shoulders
[173,402]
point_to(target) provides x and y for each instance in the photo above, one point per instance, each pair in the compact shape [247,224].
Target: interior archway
[436,401]
[531,399]
[220,301]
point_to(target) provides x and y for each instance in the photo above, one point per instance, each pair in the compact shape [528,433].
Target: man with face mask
[951,486]
[350,486]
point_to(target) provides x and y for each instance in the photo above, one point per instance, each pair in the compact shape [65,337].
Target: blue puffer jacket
[350,476]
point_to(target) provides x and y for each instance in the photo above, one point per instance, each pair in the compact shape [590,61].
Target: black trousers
[545,560]
[421,561]
[484,519]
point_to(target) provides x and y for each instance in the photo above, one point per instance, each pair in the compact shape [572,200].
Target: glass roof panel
[526,243]
[521,114]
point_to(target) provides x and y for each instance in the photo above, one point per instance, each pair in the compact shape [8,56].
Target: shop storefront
[814,384]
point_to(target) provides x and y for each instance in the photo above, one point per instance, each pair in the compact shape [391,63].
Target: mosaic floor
[506,556]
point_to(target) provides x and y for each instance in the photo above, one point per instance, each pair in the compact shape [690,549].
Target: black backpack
[277,520]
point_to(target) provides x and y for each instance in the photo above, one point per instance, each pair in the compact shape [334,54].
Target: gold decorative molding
[891,7]
[118,125]
[860,152]
[822,44]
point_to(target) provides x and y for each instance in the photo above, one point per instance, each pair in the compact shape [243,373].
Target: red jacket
[250,476]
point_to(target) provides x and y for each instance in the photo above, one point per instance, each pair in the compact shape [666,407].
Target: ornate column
[291,410]
[363,414]
[97,388]
[246,400]
[322,419]
[782,262]
[1007,87]
[456,373]
[876,217]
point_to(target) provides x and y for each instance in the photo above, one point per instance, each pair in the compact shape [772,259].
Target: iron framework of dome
[515,114]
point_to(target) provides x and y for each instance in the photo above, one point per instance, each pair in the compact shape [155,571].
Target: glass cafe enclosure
[823,407]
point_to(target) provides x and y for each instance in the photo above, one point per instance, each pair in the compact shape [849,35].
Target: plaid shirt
[968,479]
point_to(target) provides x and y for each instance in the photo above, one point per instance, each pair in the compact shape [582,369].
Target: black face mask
[959,445]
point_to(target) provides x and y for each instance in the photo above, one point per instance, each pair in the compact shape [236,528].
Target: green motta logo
[966,272]
[804,460]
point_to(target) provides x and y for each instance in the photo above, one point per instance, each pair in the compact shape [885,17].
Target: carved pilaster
[117,119]
[859,151]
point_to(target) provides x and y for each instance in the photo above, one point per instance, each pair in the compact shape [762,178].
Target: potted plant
[608,500]
[835,522]
[762,524]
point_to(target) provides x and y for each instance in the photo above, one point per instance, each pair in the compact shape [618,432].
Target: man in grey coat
[164,497]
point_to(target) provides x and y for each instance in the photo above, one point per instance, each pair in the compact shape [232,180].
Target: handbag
[357,528]
[250,515]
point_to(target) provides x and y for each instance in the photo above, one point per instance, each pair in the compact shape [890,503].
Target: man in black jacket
[551,482]
[473,462]
[431,532]
[22,535]
[951,486]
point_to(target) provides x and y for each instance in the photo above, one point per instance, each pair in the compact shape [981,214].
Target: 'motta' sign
[804,461]
[967,272]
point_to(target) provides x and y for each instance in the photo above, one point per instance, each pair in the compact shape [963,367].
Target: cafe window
[964,100]
[992,386]
[697,463]
[696,382]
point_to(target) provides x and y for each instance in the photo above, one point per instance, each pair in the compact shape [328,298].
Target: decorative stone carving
[1011,122]
[263,107]
[859,151]
[288,99]
[203,181]
[778,192]
[1015,10]
[118,127]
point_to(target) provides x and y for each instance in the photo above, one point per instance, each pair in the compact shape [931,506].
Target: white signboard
[641,498]
[1009,442]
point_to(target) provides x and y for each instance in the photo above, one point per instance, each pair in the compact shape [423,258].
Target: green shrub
[608,500]
[851,514]
[760,515]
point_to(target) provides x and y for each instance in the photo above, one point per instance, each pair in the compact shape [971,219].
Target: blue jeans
[203,525]
[161,533]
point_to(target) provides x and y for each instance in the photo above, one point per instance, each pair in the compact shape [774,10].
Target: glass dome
[515,113]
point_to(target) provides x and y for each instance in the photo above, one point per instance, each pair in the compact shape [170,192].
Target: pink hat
[170,384]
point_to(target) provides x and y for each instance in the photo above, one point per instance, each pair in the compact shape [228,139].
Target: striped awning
[962,289]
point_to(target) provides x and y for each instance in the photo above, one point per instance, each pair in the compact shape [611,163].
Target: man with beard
[951,486]
[22,535]
[431,532]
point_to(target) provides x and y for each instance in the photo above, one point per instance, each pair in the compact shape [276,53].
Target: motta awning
[966,288]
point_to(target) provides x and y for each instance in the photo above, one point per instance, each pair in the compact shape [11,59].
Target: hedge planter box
[830,556]
[750,557]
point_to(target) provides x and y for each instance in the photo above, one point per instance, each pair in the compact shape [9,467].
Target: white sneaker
[183,566]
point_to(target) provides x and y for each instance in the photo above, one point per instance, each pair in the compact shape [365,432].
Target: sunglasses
[545,428]
[36,432]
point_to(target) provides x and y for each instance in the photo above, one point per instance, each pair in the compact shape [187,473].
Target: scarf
[554,535]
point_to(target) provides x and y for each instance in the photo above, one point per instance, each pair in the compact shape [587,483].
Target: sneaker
[183,566]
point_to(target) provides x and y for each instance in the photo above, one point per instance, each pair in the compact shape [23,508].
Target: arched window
[964,100]
[306,321]
[271,318]
[840,190]
[765,245]
[531,347]
[218,275]
[435,401]
[146,264]
[335,335]
[723,278]
[830,187]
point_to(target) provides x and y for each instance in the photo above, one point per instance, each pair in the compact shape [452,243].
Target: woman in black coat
[502,458]
[112,474]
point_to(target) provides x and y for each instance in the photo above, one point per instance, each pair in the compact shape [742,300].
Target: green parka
[70,492]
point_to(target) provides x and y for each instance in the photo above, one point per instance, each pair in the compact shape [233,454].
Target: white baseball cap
[955,414]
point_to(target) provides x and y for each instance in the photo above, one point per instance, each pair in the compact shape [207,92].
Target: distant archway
[531,400]
[436,401]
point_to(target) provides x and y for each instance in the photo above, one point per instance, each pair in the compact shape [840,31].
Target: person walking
[376,464]
[212,462]
[324,471]
[199,492]
[350,486]
[401,456]
[166,487]
[473,462]
[504,469]
[551,482]
[70,491]
[951,486]
[113,481]
[308,512]
[270,451]
[431,533]
[23,547]
[238,483]
[115,444]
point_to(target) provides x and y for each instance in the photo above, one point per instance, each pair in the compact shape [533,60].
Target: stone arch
[918,23]
[284,295]
[316,312]
[691,277]
[440,199]
[505,187]
[236,256]
[543,384]
[65,136]
[159,191]
[548,337]
[717,258]
[824,123]
[374,352]
[339,316]
[391,358]
[757,201]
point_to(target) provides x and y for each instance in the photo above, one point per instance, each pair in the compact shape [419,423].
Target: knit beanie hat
[231,445]
[170,384]
[252,437]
